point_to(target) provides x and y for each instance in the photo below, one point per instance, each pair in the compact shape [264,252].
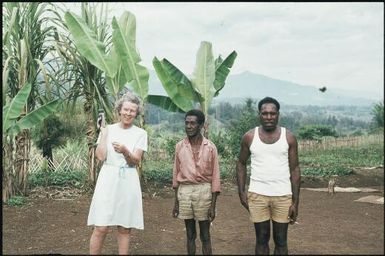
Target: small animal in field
[332,185]
[322,89]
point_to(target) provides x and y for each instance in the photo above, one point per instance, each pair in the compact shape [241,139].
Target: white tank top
[270,173]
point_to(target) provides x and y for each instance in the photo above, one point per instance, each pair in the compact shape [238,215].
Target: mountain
[256,86]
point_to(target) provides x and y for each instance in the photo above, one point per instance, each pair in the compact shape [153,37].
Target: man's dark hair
[196,112]
[268,100]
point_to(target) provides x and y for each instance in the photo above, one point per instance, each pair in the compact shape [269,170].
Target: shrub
[326,171]
[16,201]
[59,178]
[158,172]
[316,132]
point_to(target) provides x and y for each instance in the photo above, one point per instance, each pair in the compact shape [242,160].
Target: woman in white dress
[117,199]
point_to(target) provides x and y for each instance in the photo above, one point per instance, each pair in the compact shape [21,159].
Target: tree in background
[183,93]
[48,135]
[27,30]
[316,132]
[378,114]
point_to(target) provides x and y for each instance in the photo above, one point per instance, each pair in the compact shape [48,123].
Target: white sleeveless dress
[117,198]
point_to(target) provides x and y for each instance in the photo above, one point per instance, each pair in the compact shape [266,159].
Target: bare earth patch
[56,223]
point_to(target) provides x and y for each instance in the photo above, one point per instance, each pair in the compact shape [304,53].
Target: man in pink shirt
[196,181]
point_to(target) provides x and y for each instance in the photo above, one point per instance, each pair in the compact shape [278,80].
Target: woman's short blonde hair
[128,97]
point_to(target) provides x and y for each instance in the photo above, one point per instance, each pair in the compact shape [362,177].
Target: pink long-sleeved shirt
[186,171]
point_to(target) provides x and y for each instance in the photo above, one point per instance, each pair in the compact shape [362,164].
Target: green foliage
[378,114]
[247,120]
[208,79]
[316,132]
[170,143]
[326,171]
[219,139]
[158,172]
[227,168]
[16,201]
[57,178]
[49,134]
[74,122]
[341,160]
[14,120]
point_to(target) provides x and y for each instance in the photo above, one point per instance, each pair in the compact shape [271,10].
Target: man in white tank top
[273,193]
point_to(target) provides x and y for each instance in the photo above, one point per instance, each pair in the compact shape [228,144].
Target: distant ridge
[256,86]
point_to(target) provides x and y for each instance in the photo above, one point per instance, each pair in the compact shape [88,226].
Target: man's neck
[270,130]
[196,140]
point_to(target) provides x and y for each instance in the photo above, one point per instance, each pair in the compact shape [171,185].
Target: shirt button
[199,179]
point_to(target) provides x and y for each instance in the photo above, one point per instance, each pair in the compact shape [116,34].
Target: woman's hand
[101,121]
[119,148]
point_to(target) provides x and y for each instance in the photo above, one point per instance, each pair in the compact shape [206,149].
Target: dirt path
[327,225]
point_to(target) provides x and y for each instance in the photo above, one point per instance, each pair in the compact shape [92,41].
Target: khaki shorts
[194,201]
[263,208]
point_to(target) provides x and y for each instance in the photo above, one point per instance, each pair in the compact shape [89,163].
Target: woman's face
[128,112]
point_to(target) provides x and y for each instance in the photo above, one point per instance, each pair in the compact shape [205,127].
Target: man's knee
[262,231]
[263,240]
[280,240]
[205,237]
[191,230]
[191,235]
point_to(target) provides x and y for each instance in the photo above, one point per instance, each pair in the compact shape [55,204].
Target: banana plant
[208,79]
[13,119]
[27,31]
[121,63]
[124,44]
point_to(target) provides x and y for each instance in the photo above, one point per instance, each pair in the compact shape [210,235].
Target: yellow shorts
[263,208]
[194,201]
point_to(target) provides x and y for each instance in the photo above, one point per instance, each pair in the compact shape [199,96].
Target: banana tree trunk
[204,109]
[23,146]
[8,170]
[90,134]
[206,129]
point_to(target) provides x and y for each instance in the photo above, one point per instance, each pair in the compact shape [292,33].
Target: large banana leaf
[172,79]
[222,71]
[164,102]
[183,84]
[35,117]
[125,48]
[127,24]
[116,84]
[8,27]
[13,110]
[88,45]
[204,74]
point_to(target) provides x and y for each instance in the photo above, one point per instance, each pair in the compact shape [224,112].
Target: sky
[337,45]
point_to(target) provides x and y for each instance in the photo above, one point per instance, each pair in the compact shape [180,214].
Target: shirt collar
[204,141]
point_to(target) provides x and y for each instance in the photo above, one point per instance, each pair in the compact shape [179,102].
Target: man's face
[191,126]
[269,116]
